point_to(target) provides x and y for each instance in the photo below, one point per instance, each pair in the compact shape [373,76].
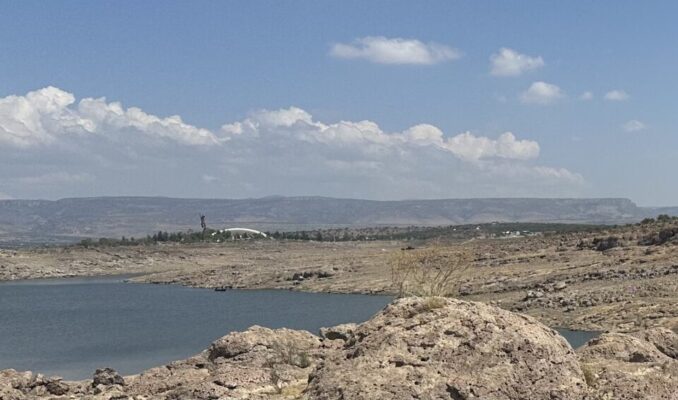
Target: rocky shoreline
[564,280]
[427,348]
[491,344]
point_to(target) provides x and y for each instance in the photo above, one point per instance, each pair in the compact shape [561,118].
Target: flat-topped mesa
[413,348]
[41,221]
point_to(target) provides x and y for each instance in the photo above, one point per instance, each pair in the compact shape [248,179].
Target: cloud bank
[382,50]
[54,146]
[43,116]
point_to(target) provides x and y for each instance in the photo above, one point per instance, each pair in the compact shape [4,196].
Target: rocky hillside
[432,348]
[36,221]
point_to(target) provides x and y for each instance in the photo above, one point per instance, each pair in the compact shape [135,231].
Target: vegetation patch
[428,272]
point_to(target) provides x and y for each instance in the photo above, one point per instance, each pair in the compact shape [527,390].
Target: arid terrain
[623,281]
[575,280]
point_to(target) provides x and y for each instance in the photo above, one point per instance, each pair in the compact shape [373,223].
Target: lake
[70,327]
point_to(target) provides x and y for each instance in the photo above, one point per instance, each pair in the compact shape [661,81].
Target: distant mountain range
[68,220]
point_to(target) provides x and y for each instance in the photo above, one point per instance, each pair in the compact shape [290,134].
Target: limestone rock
[664,339]
[258,341]
[340,332]
[251,364]
[26,385]
[620,366]
[452,349]
[9,393]
[107,377]
[56,387]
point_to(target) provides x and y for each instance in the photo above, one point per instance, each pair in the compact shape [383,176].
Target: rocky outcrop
[256,363]
[26,385]
[619,366]
[340,332]
[425,348]
[107,377]
[443,348]
[665,340]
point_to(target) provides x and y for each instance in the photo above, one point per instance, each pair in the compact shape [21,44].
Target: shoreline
[552,278]
[262,363]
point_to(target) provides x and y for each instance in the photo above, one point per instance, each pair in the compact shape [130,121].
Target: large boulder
[262,343]
[19,385]
[623,367]
[340,332]
[256,363]
[439,348]
[664,339]
[107,377]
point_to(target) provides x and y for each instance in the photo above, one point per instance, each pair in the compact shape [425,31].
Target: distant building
[243,232]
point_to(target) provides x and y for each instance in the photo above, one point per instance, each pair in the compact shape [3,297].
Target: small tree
[663,218]
[431,271]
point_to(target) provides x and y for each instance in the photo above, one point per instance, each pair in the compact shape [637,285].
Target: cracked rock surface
[450,349]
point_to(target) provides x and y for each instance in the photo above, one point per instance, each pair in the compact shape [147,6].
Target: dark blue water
[70,327]
[577,338]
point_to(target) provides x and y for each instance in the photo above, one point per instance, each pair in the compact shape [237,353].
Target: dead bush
[429,272]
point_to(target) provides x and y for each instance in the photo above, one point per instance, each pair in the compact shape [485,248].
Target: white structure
[243,231]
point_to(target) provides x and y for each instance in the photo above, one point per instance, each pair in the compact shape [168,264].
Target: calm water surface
[70,327]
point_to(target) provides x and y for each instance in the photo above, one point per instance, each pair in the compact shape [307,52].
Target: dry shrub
[428,272]
[433,303]
[589,376]
[288,352]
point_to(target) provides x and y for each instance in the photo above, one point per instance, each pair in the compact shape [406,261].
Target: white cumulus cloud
[616,95]
[42,116]
[634,126]
[508,62]
[382,50]
[471,147]
[559,173]
[52,145]
[541,93]
[295,124]
[586,96]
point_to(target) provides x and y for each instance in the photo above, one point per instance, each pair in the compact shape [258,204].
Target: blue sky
[217,63]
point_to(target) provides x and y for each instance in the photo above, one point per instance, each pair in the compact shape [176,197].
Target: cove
[70,327]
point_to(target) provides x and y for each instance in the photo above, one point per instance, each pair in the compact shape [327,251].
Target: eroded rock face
[107,377]
[340,332]
[256,363]
[620,366]
[451,349]
[664,339]
[27,385]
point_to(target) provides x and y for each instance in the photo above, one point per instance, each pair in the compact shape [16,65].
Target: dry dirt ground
[560,279]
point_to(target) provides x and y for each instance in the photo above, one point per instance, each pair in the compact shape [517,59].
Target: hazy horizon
[345,198]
